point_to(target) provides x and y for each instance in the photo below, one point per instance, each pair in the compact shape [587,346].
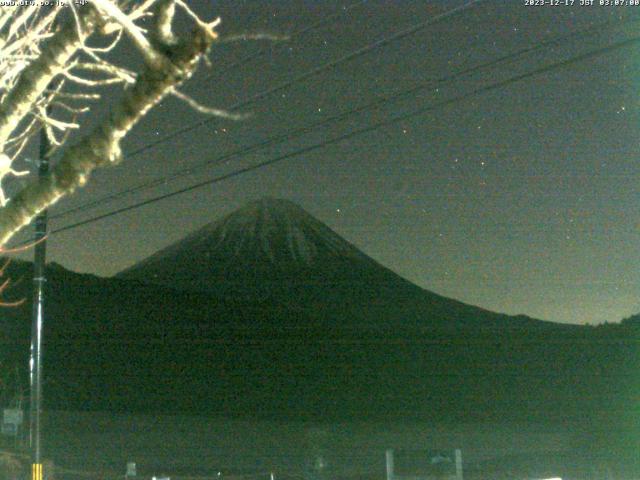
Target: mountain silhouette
[269,313]
[273,250]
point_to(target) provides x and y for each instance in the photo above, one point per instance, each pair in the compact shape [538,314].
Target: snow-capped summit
[272,250]
[267,236]
[266,241]
[275,230]
[267,248]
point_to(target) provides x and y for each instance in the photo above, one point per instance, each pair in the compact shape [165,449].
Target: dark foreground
[97,445]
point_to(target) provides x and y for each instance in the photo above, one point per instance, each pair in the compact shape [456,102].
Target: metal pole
[39,280]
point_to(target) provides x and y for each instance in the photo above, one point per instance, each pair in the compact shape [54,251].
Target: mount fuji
[268,312]
[272,250]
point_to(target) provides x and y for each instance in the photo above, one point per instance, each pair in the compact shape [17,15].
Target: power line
[314,71]
[509,58]
[354,133]
[350,56]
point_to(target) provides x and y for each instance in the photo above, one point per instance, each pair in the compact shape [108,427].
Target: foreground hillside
[314,330]
[118,346]
[121,346]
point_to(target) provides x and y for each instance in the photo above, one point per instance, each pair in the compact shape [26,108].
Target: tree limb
[102,146]
[131,29]
[37,76]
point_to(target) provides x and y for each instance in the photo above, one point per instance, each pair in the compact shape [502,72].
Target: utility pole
[39,281]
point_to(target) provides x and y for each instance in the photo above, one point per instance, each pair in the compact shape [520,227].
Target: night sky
[523,199]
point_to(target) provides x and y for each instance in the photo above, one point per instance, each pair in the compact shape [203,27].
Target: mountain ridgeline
[269,313]
[272,250]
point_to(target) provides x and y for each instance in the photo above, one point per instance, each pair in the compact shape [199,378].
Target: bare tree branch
[207,110]
[102,146]
[35,78]
[245,37]
[131,29]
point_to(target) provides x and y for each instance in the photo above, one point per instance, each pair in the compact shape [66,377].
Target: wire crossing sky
[340,138]
[376,103]
[309,74]
[511,187]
